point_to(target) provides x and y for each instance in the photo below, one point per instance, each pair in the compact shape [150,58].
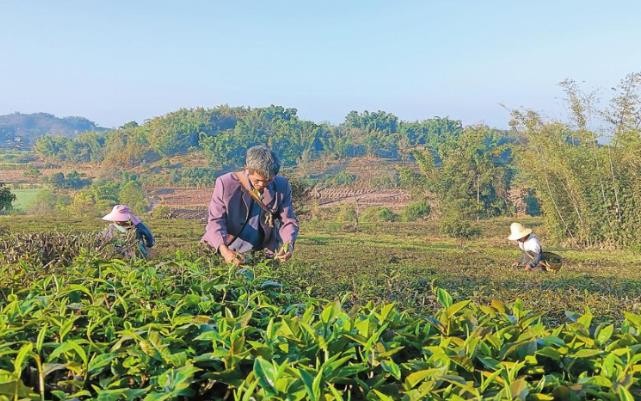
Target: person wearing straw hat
[529,244]
[129,236]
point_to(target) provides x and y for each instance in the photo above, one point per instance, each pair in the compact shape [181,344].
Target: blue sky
[116,61]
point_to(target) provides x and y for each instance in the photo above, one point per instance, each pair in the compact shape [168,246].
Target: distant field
[24,197]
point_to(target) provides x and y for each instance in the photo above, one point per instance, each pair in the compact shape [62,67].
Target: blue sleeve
[145,234]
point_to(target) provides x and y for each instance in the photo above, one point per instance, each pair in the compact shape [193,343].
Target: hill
[19,130]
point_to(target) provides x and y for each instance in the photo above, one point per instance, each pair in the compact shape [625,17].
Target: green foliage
[129,146]
[301,195]
[590,193]
[85,147]
[455,226]
[532,204]
[133,195]
[224,133]
[412,181]
[342,177]
[379,121]
[97,199]
[469,173]
[194,176]
[6,198]
[32,172]
[346,213]
[73,180]
[377,215]
[44,202]
[161,212]
[185,328]
[45,249]
[416,210]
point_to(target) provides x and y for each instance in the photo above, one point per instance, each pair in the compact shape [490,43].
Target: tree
[469,173]
[590,193]
[132,194]
[6,198]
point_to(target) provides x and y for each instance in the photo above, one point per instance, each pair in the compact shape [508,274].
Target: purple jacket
[229,207]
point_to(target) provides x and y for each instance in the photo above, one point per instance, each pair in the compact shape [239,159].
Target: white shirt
[532,244]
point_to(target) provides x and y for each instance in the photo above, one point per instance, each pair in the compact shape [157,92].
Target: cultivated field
[400,262]
[184,326]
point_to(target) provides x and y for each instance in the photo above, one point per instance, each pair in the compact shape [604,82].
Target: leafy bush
[161,212]
[456,227]
[133,195]
[6,198]
[416,210]
[185,329]
[73,180]
[346,213]
[341,178]
[194,176]
[378,214]
[45,249]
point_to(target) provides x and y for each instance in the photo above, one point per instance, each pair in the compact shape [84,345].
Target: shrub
[347,214]
[378,214]
[341,178]
[161,212]
[416,210]
[456,227]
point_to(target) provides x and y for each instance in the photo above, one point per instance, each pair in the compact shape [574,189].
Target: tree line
[584,172]
[223,134]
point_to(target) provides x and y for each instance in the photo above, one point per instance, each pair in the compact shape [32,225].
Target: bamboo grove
[588,181]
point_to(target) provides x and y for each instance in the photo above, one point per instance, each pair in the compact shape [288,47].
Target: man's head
[262,166]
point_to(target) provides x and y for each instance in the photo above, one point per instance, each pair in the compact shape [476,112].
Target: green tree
[470,173]
[133,195]
[6,198]
[590,193]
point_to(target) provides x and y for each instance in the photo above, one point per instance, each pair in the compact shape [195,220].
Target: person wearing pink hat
[129,236]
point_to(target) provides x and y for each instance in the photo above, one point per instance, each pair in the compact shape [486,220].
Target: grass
[401,262]
[24,198]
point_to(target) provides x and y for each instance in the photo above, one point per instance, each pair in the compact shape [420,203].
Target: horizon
[119,62]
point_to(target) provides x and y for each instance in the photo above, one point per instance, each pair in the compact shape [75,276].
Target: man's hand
[284,253]
[515,264]
[230,256]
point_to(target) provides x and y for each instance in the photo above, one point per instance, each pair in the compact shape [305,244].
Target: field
[400,262]
[24,198]
[374,312]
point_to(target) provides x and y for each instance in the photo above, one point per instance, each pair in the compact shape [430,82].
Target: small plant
[459,228]
[347,214]
[378,214]
[161,212]
[416,210]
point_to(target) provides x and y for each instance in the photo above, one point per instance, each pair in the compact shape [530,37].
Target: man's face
[258,181]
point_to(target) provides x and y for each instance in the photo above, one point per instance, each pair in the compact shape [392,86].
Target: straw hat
[122,213]
[517,231]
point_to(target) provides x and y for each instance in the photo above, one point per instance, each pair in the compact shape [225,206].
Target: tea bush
[189,328]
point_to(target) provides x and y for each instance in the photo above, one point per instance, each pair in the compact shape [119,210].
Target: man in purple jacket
[252,210]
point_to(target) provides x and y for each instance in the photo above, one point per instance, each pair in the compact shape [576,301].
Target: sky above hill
[117,61]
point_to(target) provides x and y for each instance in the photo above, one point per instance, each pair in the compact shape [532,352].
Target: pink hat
[122,213]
